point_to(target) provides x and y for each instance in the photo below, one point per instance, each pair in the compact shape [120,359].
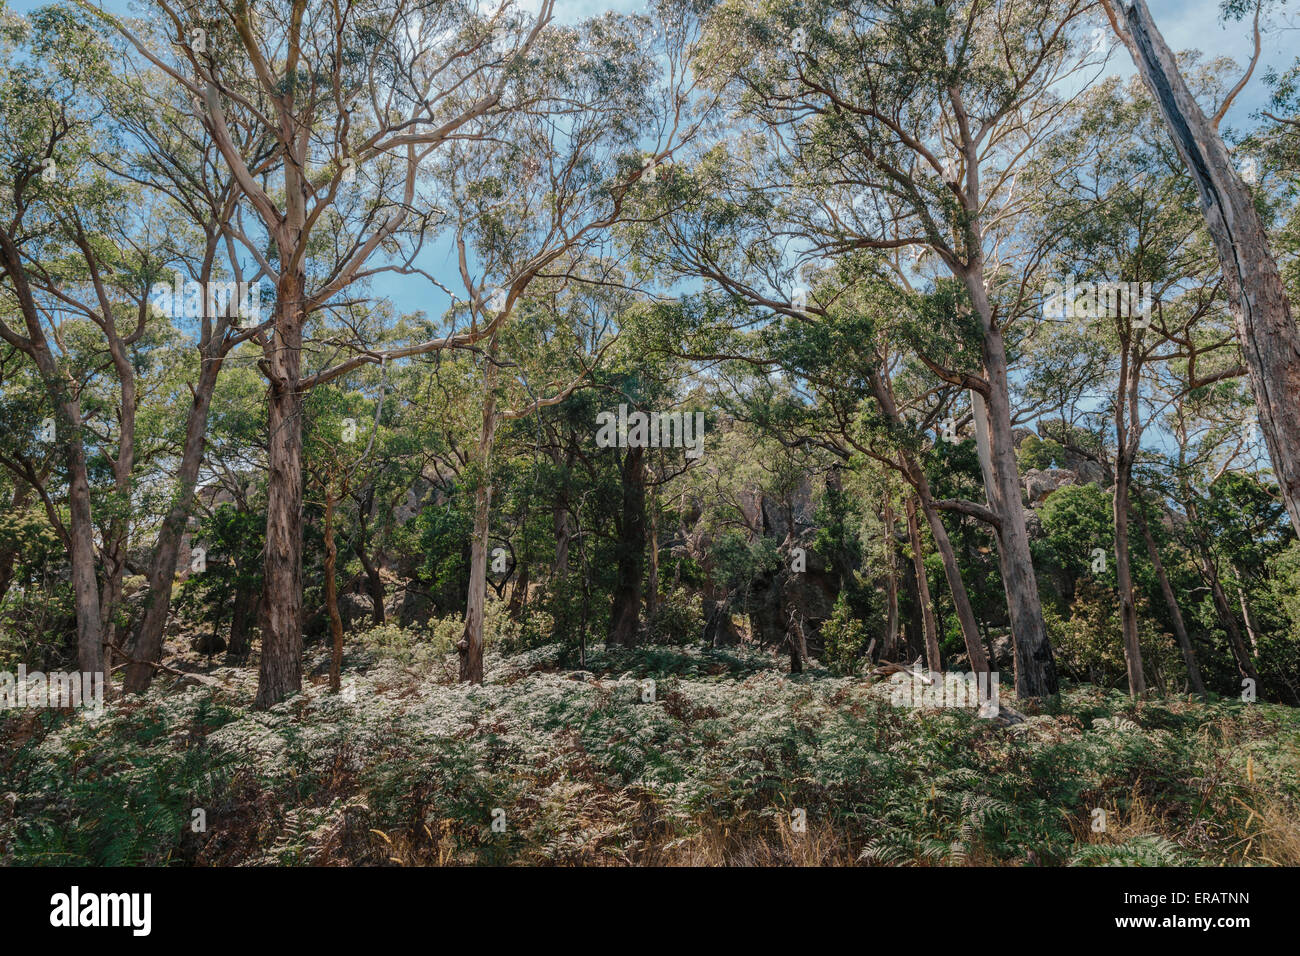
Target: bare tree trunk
[115,535]
[1035,663]
[90,631]
[1270,341]
[281,668]
[630,552]
[923,590]
[1250,627]
[652,581]
[1124,576]
[145,646]
[1229,620]
[1175,613]
[563,534]
[470,646]
[471,642]
[560,520]
[891,585]
[374,581]
[970,631]
[237,648]
[81,527]
[796,642]
[519,593]
[331,590]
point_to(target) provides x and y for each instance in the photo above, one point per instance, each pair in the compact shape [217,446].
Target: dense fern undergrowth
[734,761]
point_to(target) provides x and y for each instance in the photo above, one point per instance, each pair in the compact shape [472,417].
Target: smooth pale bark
[930,630]
[561,523]
[281,667]
[1035,664]
[470,646]
[1124,577]
[1250,627]
[630,552]
[1175,613]
[1269,338]
[90,630]
[916,477]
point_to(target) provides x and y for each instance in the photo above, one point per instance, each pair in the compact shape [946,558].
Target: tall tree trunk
[630,552]
[1124,577]
[331,590]
[1250,627]
[85,593]
[560,517]
[240,619]
[970,632]
[81,527]
[797,642]
[1270,341]
[563,534]
[930,629]
[470,646]
[916,477]
[374,581]
[281,668]
[891,585]
[117,531]
[519,593]
[1210,568]
[1035,664]
[1175,613]
[145,646]
[652,581]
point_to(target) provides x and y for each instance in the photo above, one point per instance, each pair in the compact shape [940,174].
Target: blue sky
[1186,24]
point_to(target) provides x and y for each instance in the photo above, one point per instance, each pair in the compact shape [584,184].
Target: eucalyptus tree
[75,262]
[1147,288]
[1266,328]
[170,156]
[1212,439]
[893,124]
[536,205]
[351,101]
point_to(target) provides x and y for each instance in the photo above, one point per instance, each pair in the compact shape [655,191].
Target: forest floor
[726,759]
